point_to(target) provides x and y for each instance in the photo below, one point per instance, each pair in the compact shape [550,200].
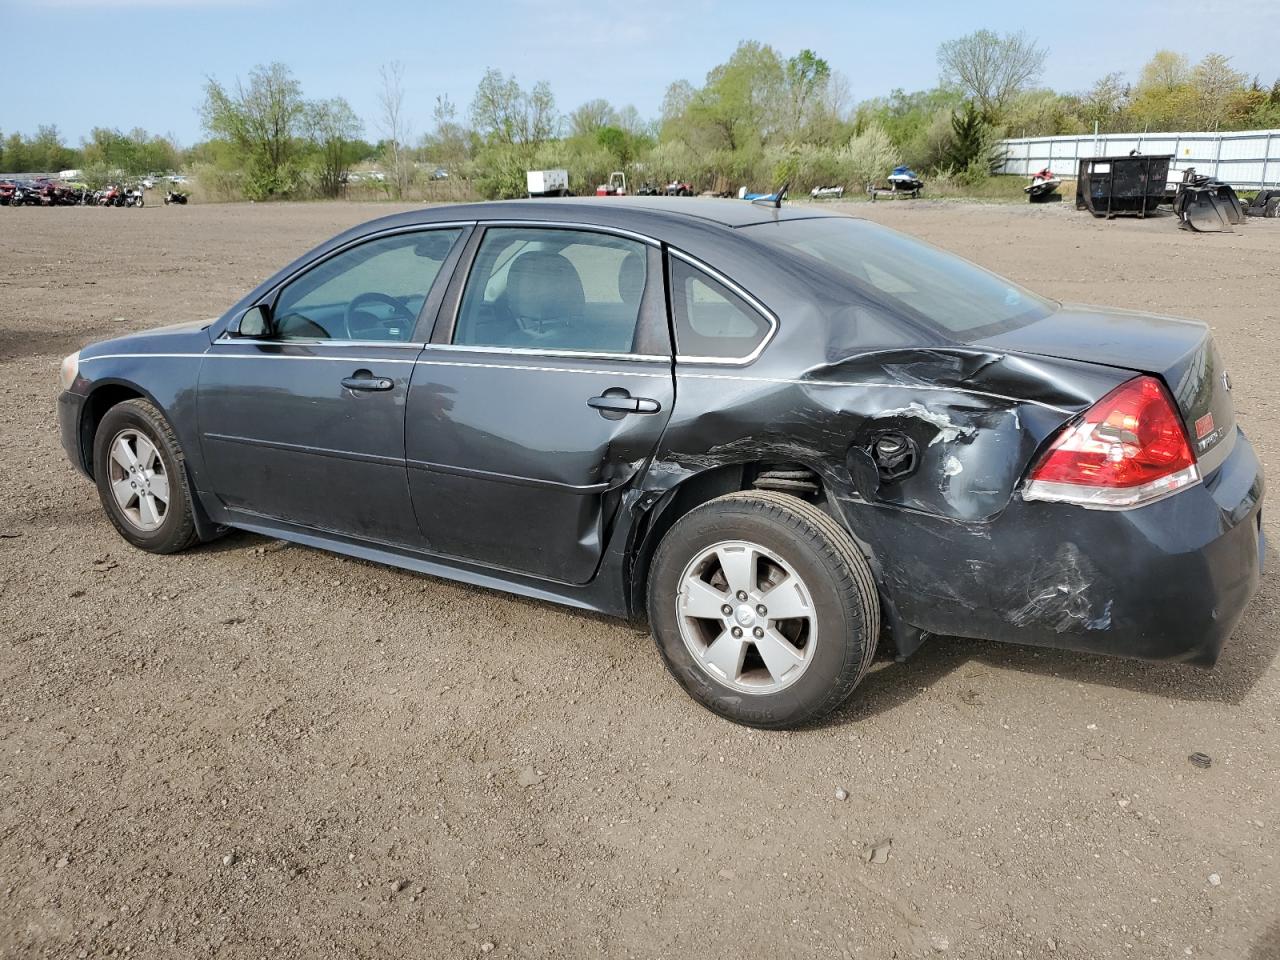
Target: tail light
[1128,449]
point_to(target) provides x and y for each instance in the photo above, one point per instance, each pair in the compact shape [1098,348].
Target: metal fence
[1246,158]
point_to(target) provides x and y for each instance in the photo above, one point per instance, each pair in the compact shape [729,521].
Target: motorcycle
[26,193]
[173,196]
[1042,186]
[112,196]
[133,197]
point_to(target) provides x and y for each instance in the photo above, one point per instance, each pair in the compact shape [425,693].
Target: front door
[305,422]
[544,401]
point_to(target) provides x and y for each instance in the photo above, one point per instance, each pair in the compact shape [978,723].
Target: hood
[189,335]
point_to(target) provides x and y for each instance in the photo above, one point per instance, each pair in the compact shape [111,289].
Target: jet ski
[1043,185]
[904,180]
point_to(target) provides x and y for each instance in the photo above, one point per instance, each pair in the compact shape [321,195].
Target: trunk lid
[1181,352]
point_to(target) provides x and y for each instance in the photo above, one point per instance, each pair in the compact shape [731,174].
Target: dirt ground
[260,750]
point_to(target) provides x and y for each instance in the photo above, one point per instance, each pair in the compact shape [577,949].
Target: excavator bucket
[1229,204]
[1198,210]
[1206,205]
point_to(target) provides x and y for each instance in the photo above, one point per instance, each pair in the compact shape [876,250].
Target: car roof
[636,212]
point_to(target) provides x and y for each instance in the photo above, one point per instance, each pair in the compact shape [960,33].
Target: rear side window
[547,289]
[910,278]
[712,321]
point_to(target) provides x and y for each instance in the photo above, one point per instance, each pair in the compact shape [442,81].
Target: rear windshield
[921,282]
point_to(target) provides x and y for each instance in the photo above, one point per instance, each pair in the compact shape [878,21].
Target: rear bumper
[70,407]
[1168,581]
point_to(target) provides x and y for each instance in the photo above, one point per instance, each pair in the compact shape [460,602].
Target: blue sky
[128,63]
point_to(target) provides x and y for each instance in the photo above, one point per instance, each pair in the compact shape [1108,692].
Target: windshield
[943,291]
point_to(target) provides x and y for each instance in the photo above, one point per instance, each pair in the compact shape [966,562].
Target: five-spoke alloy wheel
[138,480]
[747,617]
[141,477]
[764,608]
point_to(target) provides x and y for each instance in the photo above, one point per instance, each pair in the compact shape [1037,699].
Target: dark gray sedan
[784,435]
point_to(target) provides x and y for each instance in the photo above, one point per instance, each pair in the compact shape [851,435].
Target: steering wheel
[373,297]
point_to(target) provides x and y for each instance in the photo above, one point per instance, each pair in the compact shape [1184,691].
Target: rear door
[533,411]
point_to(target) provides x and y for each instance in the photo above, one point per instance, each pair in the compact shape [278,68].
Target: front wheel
[142,479]
[764,609]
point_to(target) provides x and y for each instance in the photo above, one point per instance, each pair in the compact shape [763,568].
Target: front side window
[710,320]
[373,291]
[547,289]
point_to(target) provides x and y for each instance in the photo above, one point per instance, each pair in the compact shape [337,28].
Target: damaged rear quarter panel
[977,419]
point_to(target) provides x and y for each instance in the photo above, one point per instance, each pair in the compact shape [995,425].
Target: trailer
[547,183]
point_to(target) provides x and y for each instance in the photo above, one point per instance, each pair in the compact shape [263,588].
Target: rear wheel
[764,609]
[142,480]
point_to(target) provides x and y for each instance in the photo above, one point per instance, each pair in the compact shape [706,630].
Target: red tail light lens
[1129,449]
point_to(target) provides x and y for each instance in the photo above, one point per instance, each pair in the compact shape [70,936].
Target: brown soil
[259,750]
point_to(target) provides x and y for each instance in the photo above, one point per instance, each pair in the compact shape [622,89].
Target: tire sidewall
[840,643]
[174,531]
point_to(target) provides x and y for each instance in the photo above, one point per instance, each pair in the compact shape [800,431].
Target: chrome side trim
[127,356]
[535,352]
[246,356]
[224,339]
[423,361]
[573,225]
[755,303]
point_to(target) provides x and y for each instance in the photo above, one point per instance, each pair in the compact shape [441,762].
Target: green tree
[991,69]
[263,121]
[502,113]
[334,128]
[1105,102]
[591,117]
[1216,85]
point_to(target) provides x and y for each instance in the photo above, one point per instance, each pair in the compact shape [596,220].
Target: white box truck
[548,183]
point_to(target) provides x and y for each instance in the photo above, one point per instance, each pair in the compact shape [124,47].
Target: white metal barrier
[1244,158]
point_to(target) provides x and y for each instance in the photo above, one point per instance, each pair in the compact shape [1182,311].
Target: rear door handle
[368,383]
[616,402]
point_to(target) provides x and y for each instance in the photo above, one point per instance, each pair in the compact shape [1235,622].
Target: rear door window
[549,289]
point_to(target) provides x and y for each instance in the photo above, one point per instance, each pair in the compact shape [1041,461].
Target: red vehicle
[6,192]
[616,187]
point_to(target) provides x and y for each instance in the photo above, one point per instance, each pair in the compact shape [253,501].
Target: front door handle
[367,382]
[615,403]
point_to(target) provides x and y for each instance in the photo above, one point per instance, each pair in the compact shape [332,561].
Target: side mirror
[254,322]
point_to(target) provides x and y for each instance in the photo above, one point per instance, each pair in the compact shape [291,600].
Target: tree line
[759,118]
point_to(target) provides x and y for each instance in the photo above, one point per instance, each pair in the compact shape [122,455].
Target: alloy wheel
[746,617]
[139,481]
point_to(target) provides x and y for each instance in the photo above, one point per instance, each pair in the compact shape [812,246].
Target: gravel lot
[259,750]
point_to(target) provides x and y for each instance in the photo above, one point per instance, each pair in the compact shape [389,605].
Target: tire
[134,421]
[829,648]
